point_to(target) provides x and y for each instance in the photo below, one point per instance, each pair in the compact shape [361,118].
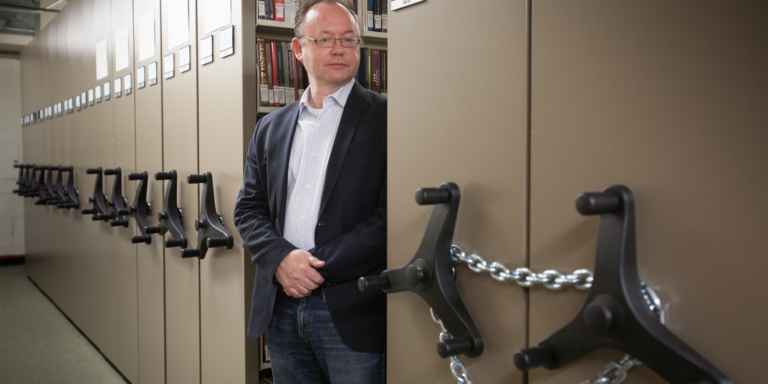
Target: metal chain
[613,372]
[580,278]
[458,369]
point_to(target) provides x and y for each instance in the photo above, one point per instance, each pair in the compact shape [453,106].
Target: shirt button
[313,155]
[317,125]
[308,187]
[303,217]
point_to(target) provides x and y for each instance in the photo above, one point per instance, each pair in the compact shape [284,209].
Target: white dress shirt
[312,145]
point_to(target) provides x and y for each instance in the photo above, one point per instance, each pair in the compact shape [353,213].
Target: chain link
[458,369]
[524,277]
[613,372]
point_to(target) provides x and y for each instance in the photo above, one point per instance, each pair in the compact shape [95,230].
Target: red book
[376,70]
[274,71]
[296,76]
[279,10]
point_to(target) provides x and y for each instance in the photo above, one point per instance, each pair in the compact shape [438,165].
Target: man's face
[332,66]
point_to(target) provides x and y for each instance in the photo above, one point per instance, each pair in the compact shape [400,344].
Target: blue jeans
[305,348]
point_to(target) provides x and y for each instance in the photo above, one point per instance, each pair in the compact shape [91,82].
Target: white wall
[11,207]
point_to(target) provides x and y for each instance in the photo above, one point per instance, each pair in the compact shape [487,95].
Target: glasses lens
[325,42]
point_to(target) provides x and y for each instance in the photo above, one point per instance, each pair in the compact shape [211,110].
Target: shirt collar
[340,96]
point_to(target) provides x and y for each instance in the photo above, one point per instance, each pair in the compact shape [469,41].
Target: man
[312,212]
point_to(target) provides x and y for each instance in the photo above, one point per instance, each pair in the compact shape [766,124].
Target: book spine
[289,90]
[263,86]
[296,77]
[369,15]
[275,83]
[384,73]
[376,70]
[285,73]
[368,58]
[270,84]
[288,5]
[384,17]
[262,9]
[377,15]
[364,67]
[280,75]
[279,10]
[270,9]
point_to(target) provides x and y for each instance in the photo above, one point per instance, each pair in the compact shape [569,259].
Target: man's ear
[297,49]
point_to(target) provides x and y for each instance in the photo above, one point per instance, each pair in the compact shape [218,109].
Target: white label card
[97,92]
[206,50]
[217,13]
[184,59]
[118,87]
[90,96]
[140,77]
[168,66]
[77,102]
[102,67]
[227,41]
[127,83]
[147,36]
[83,100]
[152,73]
[106,90]
[178,23]
[121,49]
[397,4]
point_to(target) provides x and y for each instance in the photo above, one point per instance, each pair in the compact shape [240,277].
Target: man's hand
[297,274]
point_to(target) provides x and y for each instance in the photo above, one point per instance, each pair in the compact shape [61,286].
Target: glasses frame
[359,41]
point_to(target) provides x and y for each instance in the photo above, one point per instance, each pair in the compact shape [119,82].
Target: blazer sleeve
[359,252]
[252,214]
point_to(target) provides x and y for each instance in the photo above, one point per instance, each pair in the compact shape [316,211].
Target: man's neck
[317,93]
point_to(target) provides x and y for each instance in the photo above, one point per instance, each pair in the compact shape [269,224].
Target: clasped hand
[297,273]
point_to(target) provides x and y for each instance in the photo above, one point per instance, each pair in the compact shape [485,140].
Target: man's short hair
[305,5]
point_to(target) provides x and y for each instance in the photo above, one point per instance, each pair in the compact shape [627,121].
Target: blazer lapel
[282,160]
[347,126]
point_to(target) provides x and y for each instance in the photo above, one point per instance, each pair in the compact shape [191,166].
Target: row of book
[283,79]
[285,10]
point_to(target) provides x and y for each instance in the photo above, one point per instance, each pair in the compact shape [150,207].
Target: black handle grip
[92,171]
[135,176]
[118,223]
[110,172]
[454,347]
[18,165]
[215,242]
[87,211]
[373,283]
[531,358]
[162,176]
[123,212]
[146,239]
[190,252]
[597,203]
[102,216]
[196,179]
[170,243]
[430,196]
[151,230]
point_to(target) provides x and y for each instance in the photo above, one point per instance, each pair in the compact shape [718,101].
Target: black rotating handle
[170,217]
[211,232]
[20,180]
[99,205]
[616,315]
[430,274]
[141,210]
[32,187]
[63,199]
[42,190]
[118,205]
[71,200]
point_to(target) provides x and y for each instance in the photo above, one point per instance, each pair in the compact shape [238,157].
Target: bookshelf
[281,31]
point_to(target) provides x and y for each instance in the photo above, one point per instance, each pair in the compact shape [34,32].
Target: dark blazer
[351,232]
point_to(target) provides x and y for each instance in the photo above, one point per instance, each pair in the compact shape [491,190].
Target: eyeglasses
[327,42]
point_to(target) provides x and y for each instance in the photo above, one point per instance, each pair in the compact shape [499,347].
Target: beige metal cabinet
[454,115]
[668,99]
[227,117]
[149,157]
[180,153]
[126,261]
